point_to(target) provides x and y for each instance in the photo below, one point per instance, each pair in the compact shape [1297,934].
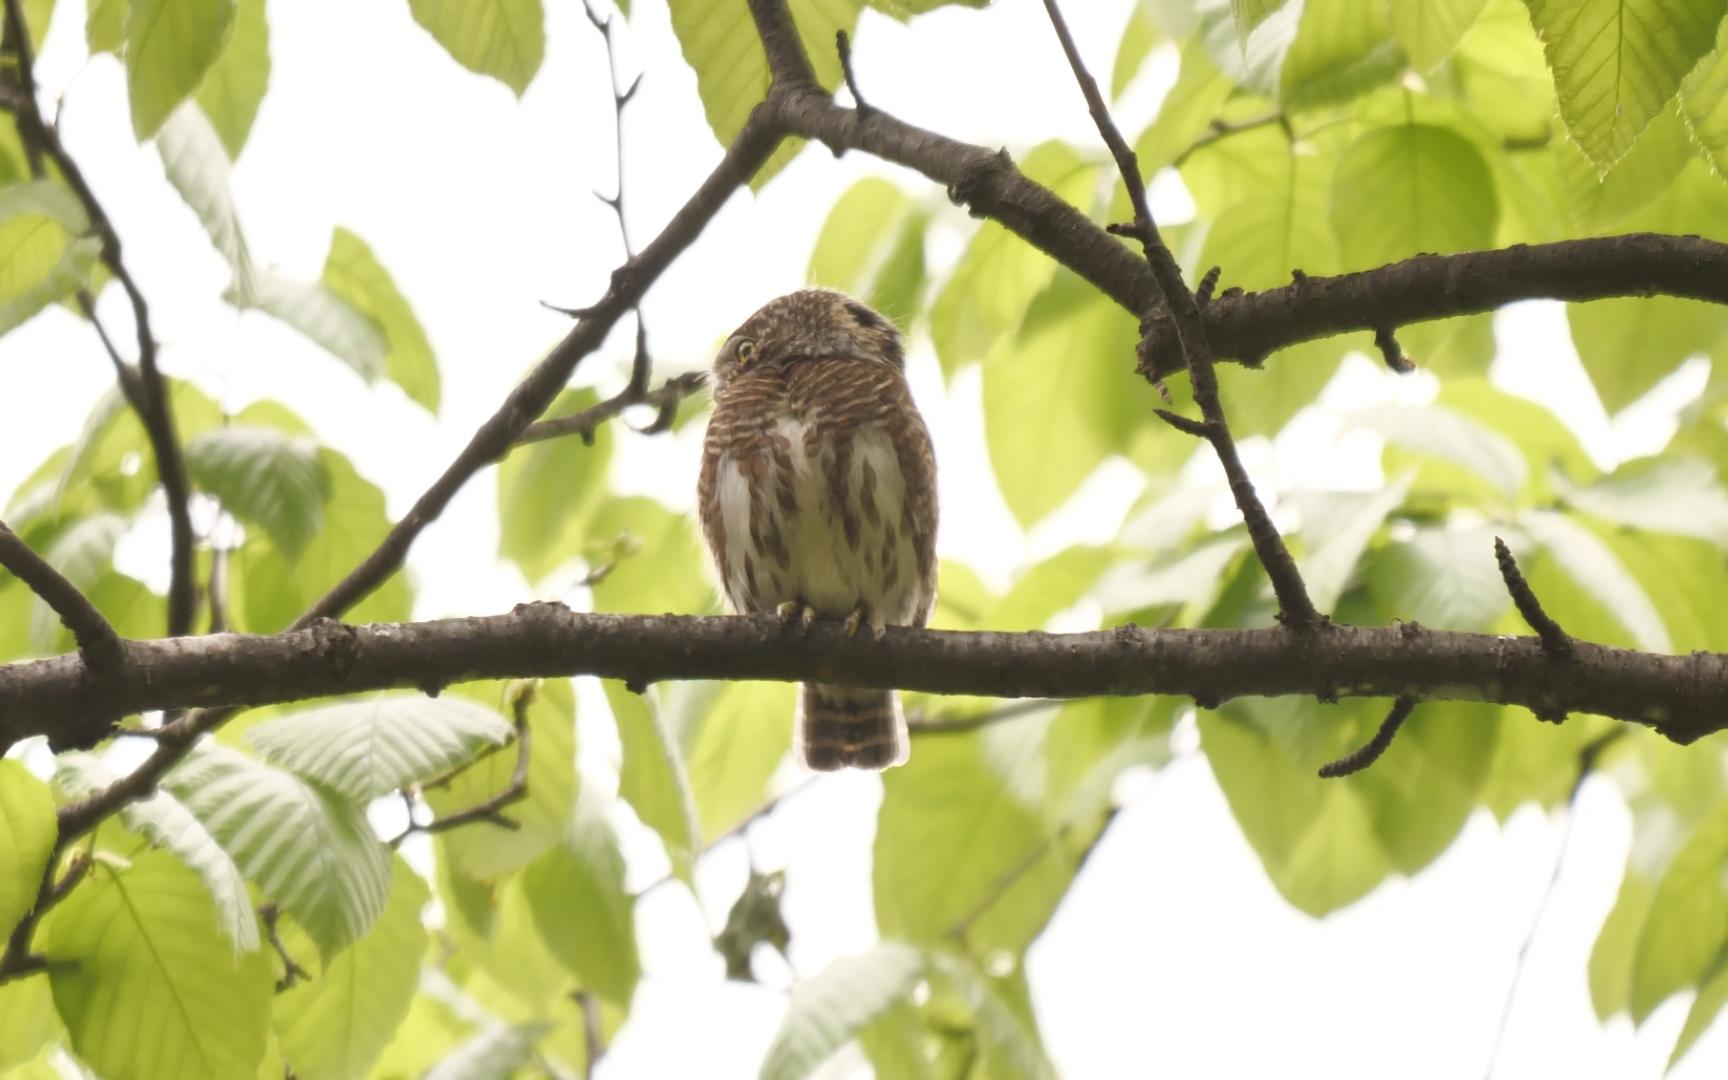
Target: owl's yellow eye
[746,352]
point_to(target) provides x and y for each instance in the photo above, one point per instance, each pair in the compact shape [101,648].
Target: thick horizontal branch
[1683,697]
[1250,326]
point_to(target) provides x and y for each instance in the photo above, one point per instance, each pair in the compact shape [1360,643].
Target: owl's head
[810,324]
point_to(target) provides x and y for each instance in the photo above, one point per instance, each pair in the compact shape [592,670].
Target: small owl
[818,497]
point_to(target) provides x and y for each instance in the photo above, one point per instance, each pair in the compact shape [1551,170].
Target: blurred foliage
[1314,135]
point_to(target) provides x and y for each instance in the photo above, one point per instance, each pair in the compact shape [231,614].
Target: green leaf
[1047,588]
[1704,102]
[1501,70]
[170,46]
[336,1024]
[1680,495]
[105,25]
[495,1053]
[27,1023]
[1249,14]
[319,858]
[264,478]
[894,1044]
[1192,103]
[44,258]
[1138,39]
[872,245]
[719,42]
[1320,841]
[1617,62]
[1342,49]
[330,320]
[1430,29]
[1451,436]
[27,831]
[1408,189]
[486,851]
[1336,529]
[1091,742]
[656,561]
[146,986]
[739,741]
[1712,995]
[505,39]
[1599,199]
[583,912]
[353,273]
[1617,943]
[1628,345]
[1071,365]
[1688,922]
[364,749]
[428,1034]
[268,591]
[999,274]
[1004,1027]
[652,778]
[950,832]
[831,1008]
[548,493]
[905,9]
[235,86]
[1189,577]
[166,823]
[1444,578]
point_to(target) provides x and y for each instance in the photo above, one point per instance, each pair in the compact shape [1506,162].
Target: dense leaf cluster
[248,917]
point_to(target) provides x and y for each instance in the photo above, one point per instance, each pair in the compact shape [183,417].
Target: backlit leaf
[148,987]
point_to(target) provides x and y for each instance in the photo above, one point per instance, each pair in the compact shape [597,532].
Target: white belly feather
[825,569]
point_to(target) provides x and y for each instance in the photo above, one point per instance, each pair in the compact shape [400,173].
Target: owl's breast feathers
[818,485]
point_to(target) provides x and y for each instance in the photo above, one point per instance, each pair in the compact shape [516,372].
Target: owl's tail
[840,726]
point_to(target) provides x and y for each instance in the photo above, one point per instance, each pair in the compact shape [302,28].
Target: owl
[818,497]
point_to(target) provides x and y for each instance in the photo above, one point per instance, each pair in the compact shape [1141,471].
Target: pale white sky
[1172,953]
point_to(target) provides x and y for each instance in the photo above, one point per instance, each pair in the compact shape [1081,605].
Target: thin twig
[147,393]
[959,725]
[1219,130]
[666,398]
[1369,752]
[641,366]
[1393,353]
[17,960]
[489,443]
[292,972]
[843,46]
[767,806]
[1555,641]
[1295,610]
[97,640]
[593,1035]
[1588,756]
[489,810]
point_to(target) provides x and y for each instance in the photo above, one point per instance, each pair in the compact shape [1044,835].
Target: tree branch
[490,810]
[97,641]
[1179,309]
[530,398]
[1679,696]
[144,388]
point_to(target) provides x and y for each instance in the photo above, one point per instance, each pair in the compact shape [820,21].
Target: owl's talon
[796,611]
[854,620]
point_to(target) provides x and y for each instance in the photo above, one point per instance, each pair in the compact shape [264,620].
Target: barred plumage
[818,496]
